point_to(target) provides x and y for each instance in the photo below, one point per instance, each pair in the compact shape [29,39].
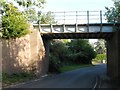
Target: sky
[77,5]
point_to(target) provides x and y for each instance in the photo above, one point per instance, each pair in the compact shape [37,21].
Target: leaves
[14,23]
[100,46]
[101,57]
[113,13]
[82,51]
[47,18]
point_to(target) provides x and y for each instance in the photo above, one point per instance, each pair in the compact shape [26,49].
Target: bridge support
[46,59]
[113,57]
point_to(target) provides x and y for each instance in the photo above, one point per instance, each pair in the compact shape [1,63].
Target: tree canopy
[100,46]
[77,51]
[14,23]
[83,51]
[46,18]
[113,13]
[29,8]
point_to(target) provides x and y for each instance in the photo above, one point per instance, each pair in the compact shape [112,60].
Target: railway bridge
[85,25]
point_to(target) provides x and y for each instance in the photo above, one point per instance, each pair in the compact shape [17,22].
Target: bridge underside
[90,35]
[109,32]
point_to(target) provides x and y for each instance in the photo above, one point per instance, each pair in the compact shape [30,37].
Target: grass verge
[16,78]
[73,67]
[22,77]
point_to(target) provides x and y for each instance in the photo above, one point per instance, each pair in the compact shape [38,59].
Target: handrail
[79,17]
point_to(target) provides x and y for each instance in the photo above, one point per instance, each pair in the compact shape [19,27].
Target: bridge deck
[78,28]
[91,35]
[74,31]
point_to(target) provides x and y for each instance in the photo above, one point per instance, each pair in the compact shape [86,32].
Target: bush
[57,56]
[82,51]
[54,63]
[14,23]
[75,52]
[101,57]
[16,78]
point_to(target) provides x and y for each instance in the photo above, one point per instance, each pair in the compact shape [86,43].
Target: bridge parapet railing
[77,17]
[77,21]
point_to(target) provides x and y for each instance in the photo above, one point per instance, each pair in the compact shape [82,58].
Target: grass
[22,77]
[73,67]
[16,78]
[0,77]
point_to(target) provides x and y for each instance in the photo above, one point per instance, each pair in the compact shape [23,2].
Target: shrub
[54,63]
[75,52]
[101,57]
[57,56]
[14,23]
[82,51]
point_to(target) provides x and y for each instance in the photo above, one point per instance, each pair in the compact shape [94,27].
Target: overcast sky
[77,5]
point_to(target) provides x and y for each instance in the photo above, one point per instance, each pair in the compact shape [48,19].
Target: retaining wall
[25,54]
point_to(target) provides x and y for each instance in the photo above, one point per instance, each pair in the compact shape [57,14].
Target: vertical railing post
[51,28]
[64,23]
[63,28]
[76,17]
[64,17]
[100,16]
[76,26]
[87,21]
[100,21]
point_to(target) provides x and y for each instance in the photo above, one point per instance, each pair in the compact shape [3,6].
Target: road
[80,78]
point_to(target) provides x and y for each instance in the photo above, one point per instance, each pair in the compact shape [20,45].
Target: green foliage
[58,54]
[73,67]
[16,78]
[30,8]
[30,3]
[54,63]
[27,7]
[101,57]
[30,14]
[82,51]
[14,23]
[113,13]
[100,46]
[47,18]
[62,53]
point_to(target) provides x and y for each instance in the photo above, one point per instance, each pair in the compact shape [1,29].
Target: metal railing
[77,21]
[78,17]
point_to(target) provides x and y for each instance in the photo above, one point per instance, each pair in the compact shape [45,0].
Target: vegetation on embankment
[14,22]
[16,78]
[74,67]
[65,53]
[8,80]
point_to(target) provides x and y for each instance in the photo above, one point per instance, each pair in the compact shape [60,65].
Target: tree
[101,57]
[46,18]
[30,3]
[29,7]
[100,46]
[113,13]
[57,56]
[14,23]
[82,51]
